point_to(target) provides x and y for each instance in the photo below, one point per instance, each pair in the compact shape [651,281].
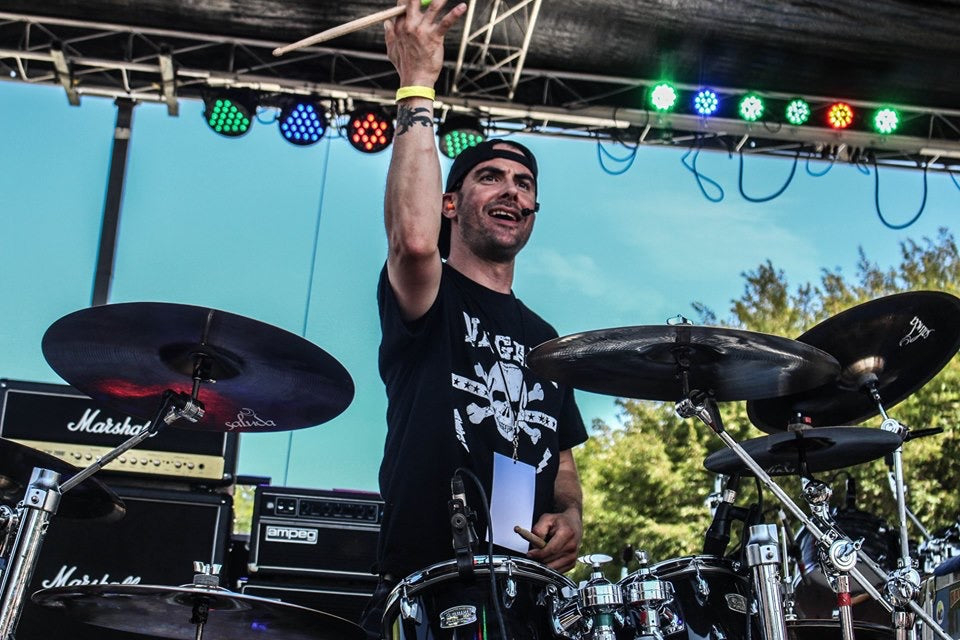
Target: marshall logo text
[88,423]
[64,578]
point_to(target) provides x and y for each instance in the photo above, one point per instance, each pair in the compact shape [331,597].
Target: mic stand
[42,499]
[695,405]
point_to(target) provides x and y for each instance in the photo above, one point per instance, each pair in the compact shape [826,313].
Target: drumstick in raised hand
[530,537]
[345,28]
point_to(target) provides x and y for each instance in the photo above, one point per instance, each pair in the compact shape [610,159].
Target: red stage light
[371,130]
[840,115]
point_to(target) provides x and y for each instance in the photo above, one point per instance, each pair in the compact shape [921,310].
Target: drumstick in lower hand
[345,28]
[530,537]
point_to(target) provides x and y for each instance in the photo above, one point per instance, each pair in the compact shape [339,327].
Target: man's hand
[563,532]
[415,41]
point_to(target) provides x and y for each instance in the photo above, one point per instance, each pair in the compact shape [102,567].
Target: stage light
[370,130]
[229,113]
[302,123]
[886,120]
[797,112]
[706,102]
[663,97]
[457,133]
[840,115]
[751,107]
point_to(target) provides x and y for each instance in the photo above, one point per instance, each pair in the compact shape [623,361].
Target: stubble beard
[485,244]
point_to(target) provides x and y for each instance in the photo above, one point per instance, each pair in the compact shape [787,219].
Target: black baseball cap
[471,157]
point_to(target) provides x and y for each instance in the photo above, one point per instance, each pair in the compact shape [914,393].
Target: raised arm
[413,196]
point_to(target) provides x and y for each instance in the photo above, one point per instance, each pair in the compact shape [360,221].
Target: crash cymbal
[823,449]
[167,612]
[642,362]
[898,342]
[89,500]
[261,378]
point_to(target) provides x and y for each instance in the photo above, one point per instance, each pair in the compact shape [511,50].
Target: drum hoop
[707,564]
[447,570]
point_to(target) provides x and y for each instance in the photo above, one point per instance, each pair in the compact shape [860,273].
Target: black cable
[876,199]
[793,170]
[494,596]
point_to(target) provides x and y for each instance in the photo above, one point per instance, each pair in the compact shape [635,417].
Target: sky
[293,237]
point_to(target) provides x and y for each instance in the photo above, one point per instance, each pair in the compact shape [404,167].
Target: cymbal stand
[42,499]
[763,556]
[903,583]
[837,561]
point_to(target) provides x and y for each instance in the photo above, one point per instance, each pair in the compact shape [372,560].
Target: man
[455,338]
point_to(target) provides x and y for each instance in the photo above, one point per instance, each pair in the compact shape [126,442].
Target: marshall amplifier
[315,533]
[155,543]
[344,599]
[61,421]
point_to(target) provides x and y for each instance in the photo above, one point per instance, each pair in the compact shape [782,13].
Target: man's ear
[449,206]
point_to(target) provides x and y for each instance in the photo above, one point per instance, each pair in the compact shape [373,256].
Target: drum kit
[205,369]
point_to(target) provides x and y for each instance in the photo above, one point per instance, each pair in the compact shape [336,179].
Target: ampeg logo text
[297,535]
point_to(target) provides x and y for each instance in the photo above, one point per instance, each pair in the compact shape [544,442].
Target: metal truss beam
[157,65]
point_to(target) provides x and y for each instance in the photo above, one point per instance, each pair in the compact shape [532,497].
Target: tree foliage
[644,481]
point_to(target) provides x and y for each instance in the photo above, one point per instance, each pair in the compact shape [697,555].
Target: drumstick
[345,28]
[530,537]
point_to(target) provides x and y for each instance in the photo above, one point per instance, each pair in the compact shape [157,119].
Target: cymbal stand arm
[39,504]
[173,406]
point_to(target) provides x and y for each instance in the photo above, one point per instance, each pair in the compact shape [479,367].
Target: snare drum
[435,603]
[709,600]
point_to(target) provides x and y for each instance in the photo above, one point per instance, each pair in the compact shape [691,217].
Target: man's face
[489,219]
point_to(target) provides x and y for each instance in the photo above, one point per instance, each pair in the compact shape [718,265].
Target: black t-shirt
[457,391]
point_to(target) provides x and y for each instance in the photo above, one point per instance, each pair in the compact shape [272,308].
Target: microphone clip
[462,520]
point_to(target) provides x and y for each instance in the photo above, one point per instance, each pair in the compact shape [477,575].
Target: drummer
[454,338]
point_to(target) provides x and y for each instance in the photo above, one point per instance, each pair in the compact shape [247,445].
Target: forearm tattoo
[407,117]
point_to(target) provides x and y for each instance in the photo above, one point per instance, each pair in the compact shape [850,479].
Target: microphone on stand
[461,526]
[718,534]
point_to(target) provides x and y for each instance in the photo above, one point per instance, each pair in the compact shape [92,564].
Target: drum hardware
[763,558]
[646,599]
[600,601]
[462,520]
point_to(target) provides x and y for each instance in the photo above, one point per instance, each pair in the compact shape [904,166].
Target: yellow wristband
[415,91]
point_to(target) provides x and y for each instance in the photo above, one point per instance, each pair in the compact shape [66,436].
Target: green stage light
[797,112]
[886,120]
[229,113]
[751,107]
[663,97]
[458,133]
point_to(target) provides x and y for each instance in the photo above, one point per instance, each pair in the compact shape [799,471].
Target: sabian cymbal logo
[917,331]
[248,418]
[297,535]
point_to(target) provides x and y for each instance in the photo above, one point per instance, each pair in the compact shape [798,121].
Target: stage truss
[488,78]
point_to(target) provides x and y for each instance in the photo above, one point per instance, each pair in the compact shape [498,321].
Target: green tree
[644,483]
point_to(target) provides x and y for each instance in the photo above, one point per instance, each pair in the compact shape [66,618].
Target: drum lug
[408,607]
[510,588]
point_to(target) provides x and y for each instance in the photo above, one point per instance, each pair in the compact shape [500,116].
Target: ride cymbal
[167,612]
[822,449]
[896,343]
[256,377]
[645,362]
[89,500]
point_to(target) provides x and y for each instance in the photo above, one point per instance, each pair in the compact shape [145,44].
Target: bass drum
[710,600]
[436,603]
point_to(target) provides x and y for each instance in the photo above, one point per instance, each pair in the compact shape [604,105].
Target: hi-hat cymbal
[89,500]
[823,449]
[167,612]
[643,362]
[261,377]
[897,342]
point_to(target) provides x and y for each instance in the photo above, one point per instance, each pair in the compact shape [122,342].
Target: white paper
[511,501]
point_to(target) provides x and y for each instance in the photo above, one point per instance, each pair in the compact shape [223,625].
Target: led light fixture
[229,113]
[886,120]
[706,102]
[797,112]
[663,97]
[840,115]
[370,130]
[302,123]
[751,107]
[457,133]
